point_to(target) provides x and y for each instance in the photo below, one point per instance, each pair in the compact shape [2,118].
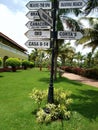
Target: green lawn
[16,107]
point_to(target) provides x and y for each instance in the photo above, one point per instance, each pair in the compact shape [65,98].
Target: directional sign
[45,17]
[38,44]
[37,25]
[68,35]
[38,34]
[65,4]
[35,5]
[33,15]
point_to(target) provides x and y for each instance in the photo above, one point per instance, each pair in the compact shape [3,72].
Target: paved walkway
[81,79]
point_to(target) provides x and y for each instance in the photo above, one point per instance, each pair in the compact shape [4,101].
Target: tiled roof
[13,42]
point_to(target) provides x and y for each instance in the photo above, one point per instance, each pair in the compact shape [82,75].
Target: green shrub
[91,73]
[0,61]
[13,62]
[31,64]
[38,96]
[25,64]
[60,109]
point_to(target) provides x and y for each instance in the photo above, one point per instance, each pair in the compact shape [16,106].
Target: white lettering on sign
[71,4]
[34,5]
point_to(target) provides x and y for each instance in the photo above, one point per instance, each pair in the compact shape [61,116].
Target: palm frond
[89,36]
[92,44]
[91,4]
[72,24]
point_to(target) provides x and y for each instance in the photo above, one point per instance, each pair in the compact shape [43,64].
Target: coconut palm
[59,26]
[90,35]
[66,52]
[96,59]
[91,4]
[33,56]
[79,57]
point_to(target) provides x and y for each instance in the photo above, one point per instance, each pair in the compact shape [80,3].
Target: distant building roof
[13,42]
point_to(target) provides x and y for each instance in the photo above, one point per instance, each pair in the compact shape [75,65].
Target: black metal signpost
[51,88]
[47,20]
[73,4]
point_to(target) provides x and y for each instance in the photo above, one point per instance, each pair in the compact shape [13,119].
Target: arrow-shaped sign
[38,44]
[33,15]
[65,4]
[45,17]
[68,35]
[35,5]
[37,25]
[37,34]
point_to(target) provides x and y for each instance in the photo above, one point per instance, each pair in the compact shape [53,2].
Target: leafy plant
[25,64]
[58,110]
[31,64]
[0,61]
[38,96]
[13,62]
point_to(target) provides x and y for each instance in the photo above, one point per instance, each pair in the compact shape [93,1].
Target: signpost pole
[51,88]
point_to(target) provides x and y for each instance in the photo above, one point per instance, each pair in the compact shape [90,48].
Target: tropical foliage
[66,55]
[0,61]
[91,5]
[13,62]
[90,34]
[60,109]
[25,64]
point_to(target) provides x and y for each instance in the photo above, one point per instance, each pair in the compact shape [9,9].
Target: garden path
[81,79]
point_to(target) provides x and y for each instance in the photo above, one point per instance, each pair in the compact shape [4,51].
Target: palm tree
[33,56]
[66,52]
[59,26]
[79,57]
[95,57]
[91,4]
[90,35]
[89,59]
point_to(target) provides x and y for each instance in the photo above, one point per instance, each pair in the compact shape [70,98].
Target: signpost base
[51,95]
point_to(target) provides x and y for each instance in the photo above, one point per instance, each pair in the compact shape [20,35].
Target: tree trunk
[13,68]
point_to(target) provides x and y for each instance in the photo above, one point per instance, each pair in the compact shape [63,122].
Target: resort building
[9,48]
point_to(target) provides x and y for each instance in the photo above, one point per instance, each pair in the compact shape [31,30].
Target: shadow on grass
[1,76]
[44,80]
[17,71]
[86,103]
[61,79]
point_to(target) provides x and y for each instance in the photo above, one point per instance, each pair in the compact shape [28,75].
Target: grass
[16,107]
